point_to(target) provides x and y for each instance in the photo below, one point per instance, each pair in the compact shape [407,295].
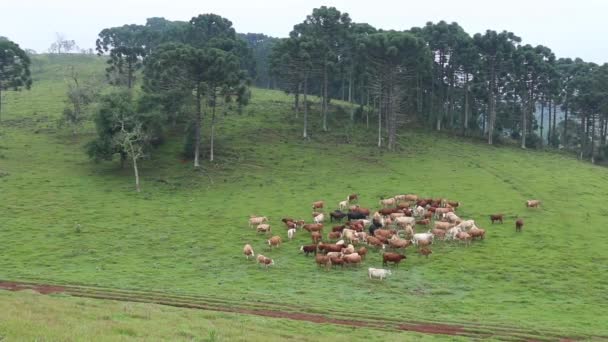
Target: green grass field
[184,233]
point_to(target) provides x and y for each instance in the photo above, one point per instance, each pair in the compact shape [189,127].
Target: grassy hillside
[185,231]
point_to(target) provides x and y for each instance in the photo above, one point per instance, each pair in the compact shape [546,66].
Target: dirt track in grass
[273,310]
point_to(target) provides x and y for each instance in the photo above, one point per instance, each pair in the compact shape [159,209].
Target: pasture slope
[179,242]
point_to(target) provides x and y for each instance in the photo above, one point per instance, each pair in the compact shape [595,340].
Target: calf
[395,258]
[323,260]
[532,203]
[274,241]
[519,224]
[263,228]
[343,205]
[291,233]
[362,251]
[378,273]
[264,261]
[317,205]
[255,220]
[248,251]
[496,218]
[425,251]
[307,249]
[477,233]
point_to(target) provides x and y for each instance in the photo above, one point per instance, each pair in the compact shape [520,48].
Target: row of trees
[442,77]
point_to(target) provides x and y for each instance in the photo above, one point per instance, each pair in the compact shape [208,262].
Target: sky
[570,28]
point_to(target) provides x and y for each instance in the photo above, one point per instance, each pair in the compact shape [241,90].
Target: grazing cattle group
[389,231]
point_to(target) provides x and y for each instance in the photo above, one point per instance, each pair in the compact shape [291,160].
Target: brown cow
[396,243]
[248,251]
[443,225]
[439,233]
[496,218]
[338,228]
[532,203]
[454,204]
[464,236]
[323,260]
[317,205]
[274,241]
[316,237]
[337,261]
[519,224]
[313,227]
[424,222]
[352,259]
[362,252]
[374,241]
[385,233]
[353,197]
[425,251]
[395,258]
[477,233]
[403,205]
[307,249]
[334,235]
[262,260]
[327,247]
[360,210]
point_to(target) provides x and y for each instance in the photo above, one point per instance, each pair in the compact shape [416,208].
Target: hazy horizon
[569,29]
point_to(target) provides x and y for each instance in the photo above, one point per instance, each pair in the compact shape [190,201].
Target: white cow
[466,225]
[405,221]
[343,205]
[452,232]
[319,218]
[421,236]
[419,211]
[378,273]
[291,233]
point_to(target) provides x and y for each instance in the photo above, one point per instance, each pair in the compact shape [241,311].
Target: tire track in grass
[274,310]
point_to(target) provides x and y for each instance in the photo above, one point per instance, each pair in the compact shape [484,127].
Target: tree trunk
[297,100]
[380,121]
[592,121]
[465,122]
[549,127]
[197,128]
[0,104]
[350,97]
[136,171]
[566,127]
[212,127]
[367,111]
[492,104]
[129,74]
[305,133]
[554,130]
[325,85]
[524,123]
[542,120]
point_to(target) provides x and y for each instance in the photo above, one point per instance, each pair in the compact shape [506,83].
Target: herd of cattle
[390,229]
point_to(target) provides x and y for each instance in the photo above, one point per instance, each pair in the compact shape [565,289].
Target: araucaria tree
[202,69]
[14,68]
[395,58]
[125,46]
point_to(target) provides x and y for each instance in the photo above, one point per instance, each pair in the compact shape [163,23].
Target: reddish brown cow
[362,252]
[385,233]
[395,258]
[387,211]
[519,224]
[338,228]
[439,233]
[313,227]
[428,215]
[496,218]
[477,233]
[316,237]
[337,261]
[334,235]
[307,249]
[327,247]
[353,197]
[317,205]
[352,259]
[360,210]
[425,251]
[454,204]
[323,260]
[403,205]
[424,222]
[532,203]
[374,241]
